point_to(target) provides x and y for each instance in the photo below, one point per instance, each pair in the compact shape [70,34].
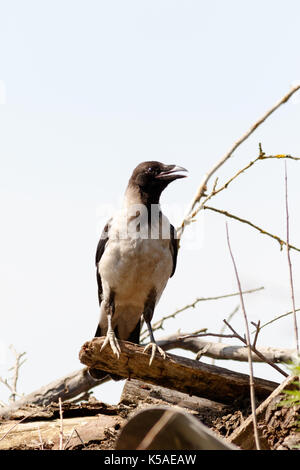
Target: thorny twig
[159,324]
[201,189]
[245,221]
[252,390]
[261,156]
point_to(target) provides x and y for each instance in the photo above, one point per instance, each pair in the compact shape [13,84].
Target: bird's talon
[114,344]
[154,347]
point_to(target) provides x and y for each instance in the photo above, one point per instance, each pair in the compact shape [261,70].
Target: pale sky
[89,89]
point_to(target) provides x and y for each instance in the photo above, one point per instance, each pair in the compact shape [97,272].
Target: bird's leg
[110,335]
[153,345]
[111,339]
[148,314]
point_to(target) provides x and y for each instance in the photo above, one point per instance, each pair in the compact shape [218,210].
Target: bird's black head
[153,177]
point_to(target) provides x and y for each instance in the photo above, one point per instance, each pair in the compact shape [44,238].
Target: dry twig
[16,369]
[278,318]
[215,190]
[40,438]
[256,351]
[159,324]
[70,437]
[61,432]
[251,380]
[257,325]
[289,260]
[245,221]
[16,424]
[230,316]
[217,350]
[202,188]
[265,356]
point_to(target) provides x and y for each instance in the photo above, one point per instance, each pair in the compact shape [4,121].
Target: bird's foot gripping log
[153,345]
[111,339]
[155,348]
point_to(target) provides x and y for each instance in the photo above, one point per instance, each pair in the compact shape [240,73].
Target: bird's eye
[152,170]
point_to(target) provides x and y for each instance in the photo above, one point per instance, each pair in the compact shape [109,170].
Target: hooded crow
[136,255]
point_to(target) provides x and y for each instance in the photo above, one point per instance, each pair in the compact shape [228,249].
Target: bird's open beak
[171,172]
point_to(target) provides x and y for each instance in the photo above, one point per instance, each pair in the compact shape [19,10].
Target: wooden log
[66,388]
[175,372]
[137,393]
[79,382]
[46,434]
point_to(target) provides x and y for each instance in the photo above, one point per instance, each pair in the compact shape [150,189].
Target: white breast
[131,267]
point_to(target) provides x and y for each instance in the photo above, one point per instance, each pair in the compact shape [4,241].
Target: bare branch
[256,351]
[257,326]
[215,191]
[245,221]
[278,318]
[5,382]
[195,342]
[201,189]
[16,369]
[159,324]
[262,156]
